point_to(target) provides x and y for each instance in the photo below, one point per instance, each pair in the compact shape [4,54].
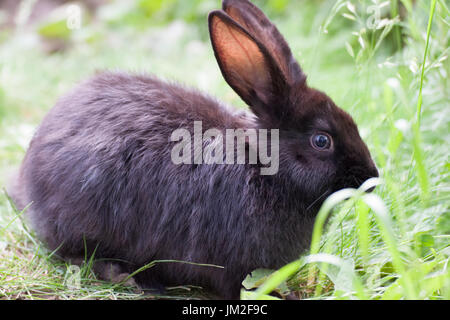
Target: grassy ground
[392,244]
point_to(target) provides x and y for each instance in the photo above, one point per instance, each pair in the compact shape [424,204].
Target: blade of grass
[152,263]
[430,21]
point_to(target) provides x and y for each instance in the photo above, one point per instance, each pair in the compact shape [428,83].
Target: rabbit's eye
[321,141]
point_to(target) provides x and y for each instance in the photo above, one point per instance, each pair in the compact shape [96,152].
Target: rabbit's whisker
[317,199]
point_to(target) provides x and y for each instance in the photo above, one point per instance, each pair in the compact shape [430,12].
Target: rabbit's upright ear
[245,63]
[254,58]
[252,19]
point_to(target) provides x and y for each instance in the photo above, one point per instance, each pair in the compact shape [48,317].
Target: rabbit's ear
[246,64]
[252,19]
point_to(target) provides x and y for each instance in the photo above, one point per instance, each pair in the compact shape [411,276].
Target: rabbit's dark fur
[99,174]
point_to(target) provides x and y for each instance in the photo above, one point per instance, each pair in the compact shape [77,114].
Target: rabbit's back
[112,107]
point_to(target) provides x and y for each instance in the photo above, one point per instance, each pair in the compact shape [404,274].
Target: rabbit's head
[321,150]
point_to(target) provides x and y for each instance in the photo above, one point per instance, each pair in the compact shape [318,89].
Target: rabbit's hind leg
[108,271]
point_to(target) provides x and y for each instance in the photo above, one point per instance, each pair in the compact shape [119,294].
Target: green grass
[390,244]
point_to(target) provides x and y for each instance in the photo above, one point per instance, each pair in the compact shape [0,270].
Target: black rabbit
[99,174]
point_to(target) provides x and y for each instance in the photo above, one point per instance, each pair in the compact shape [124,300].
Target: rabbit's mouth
[355,181]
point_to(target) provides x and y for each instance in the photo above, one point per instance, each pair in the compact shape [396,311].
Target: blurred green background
[41,57]
[367,55]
